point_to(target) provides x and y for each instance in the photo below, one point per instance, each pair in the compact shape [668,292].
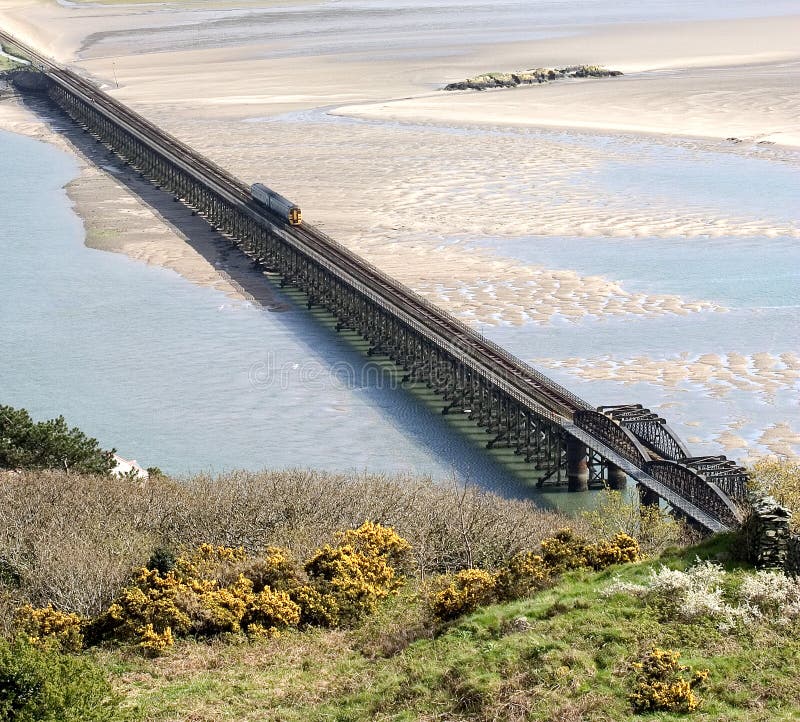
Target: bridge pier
[617,478]
[647,497]
[577,465]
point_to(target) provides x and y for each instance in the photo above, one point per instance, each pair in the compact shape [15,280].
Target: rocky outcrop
[531,77]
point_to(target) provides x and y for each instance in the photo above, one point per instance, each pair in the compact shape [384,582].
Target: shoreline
[124,214]
[398,195]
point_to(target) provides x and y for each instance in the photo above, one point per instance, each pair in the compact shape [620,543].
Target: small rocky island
[531,77]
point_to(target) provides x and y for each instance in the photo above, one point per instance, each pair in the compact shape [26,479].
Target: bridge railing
[505,370]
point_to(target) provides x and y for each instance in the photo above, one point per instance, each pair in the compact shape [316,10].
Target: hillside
[563,654]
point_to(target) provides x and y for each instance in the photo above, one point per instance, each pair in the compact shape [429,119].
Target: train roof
[272,194]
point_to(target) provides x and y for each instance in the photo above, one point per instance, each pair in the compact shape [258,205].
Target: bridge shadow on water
[341,358]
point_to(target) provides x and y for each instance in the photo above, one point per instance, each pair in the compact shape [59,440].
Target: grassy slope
[570,663]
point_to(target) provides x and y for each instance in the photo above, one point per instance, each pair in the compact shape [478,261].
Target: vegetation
[241,598]
[581,649]
[780,477]
[26,444]
[39,683]
[7,63]
[99,528]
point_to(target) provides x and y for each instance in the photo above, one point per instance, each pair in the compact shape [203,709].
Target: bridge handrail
[505,370]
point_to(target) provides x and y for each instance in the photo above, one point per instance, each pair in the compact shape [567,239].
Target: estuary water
[180,376]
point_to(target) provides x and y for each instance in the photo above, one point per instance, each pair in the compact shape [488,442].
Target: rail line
[524,378]
[603,433]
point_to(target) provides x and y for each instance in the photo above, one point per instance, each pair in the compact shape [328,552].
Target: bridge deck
[527,386]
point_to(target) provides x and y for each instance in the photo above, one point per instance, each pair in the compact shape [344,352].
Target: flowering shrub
[358,572]
[774,594]
[216,590]
[565,551]
[705,591]
[621,548]
[269,612]
[662,684]
[523,573]
[274,568]
[468,589]
[375,540]
[47,624]
[526,572]
[316,609]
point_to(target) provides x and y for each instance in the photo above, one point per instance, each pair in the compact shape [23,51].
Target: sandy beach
[339,107]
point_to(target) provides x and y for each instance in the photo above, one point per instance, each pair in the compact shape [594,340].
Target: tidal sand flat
[471,197]
[183,376]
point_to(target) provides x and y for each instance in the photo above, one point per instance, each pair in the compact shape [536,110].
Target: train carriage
[276,203]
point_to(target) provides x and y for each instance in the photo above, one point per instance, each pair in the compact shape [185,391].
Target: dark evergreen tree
[27,444]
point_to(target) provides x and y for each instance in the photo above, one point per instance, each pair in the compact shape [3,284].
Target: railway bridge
[566,439]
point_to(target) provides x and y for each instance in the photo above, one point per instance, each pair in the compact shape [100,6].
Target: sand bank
[404,169]
[123,213]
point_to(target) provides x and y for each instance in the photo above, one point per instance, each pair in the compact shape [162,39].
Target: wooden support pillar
[577,466]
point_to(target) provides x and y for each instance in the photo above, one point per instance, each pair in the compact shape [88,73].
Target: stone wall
[770,543]
[793,556]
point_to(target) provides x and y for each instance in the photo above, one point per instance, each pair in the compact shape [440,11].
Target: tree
[26,444]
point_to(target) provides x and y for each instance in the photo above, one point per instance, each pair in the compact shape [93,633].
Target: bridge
[566,439]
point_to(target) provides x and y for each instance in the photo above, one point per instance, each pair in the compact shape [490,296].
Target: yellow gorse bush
[527,572]
[565,551]
[664,685]
[522,574]
[217,590]
[468,590]
[46,624]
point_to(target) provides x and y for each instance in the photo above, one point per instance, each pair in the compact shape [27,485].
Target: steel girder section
[727,475]
[649,428]
[693,487]
[614,435]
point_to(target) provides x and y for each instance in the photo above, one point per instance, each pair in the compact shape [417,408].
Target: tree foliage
[51,444]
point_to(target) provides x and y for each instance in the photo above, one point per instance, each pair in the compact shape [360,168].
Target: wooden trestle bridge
[566,439]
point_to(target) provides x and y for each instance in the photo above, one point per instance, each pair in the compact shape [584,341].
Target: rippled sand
[715,375]
[403,172]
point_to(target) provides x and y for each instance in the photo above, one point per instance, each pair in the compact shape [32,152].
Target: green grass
[563,654]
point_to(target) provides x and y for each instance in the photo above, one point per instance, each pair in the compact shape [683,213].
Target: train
[276,203]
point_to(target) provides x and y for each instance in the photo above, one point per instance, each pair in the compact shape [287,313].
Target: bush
[705,592]
[48,625]
[72,542]
[39,683]
[654,528]
[524,573]
[779,477]
[662,684]
[620,549]
[564,551]
[269,612]
[217,590]
[467,590]
[358,572]
[25,444]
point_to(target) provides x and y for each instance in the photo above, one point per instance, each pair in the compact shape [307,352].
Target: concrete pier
[577,466]
[617,478]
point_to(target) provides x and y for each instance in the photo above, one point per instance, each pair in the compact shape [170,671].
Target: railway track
[523,378]
[508,375]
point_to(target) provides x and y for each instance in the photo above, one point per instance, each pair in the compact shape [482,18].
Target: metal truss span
[558,433]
